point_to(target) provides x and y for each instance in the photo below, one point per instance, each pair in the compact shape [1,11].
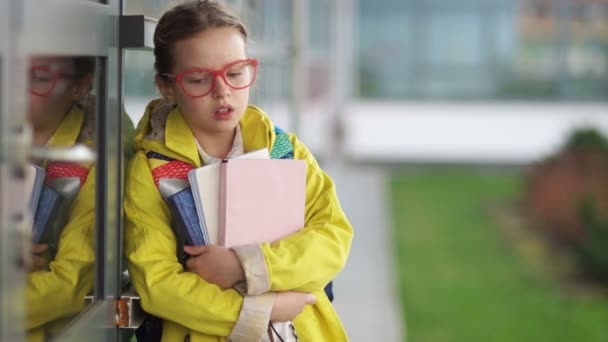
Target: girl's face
[221,109]
[53,89]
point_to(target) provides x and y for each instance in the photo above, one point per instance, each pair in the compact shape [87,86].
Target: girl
[204,75]
[61,114]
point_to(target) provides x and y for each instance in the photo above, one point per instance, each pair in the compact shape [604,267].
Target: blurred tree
[567,194]
[592,250]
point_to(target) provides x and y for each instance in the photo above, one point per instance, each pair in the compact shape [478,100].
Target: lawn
[461,279]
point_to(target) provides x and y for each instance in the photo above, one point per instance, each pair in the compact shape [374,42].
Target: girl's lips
[223,114]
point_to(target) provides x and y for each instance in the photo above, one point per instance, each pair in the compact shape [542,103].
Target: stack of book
[43,202]
[249,199]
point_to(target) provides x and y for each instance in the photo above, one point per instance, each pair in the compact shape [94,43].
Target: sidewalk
[365,294]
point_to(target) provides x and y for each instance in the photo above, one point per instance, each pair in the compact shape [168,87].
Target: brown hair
[84,66]
[185,20]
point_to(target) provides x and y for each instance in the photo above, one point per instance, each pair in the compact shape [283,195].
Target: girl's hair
[185,20]
[84,66]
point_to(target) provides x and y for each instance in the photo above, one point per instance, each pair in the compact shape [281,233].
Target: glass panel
[385,54]
[562,51]
[149,8]
[530,49]
[272,84]
[269,22]
[270,33]
[61,115]
[320,25]
[319,53]
[455,39]
[138,81]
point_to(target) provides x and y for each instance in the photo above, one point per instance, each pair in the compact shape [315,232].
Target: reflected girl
[61,113]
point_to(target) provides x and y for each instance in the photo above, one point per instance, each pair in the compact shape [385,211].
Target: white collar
[237,149]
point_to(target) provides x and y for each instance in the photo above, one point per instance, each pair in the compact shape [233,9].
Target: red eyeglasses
[42,80]
[200,82]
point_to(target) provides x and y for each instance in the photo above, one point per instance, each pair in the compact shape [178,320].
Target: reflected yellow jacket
[54,296]
[305,261]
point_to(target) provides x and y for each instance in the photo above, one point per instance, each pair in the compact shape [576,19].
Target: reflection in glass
[61,113]
[138,76]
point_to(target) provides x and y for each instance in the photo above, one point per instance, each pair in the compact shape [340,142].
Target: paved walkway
[365,294]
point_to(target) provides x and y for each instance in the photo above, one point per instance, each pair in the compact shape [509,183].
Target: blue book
[185,218]
[34,183]
[46,212]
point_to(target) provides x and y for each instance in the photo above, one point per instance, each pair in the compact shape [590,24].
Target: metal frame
[12,216]
[69,28]
[137,32]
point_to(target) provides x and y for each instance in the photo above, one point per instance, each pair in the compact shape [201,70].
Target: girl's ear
[165,88]
[82,86]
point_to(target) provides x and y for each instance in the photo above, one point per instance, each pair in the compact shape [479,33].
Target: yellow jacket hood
[162,129]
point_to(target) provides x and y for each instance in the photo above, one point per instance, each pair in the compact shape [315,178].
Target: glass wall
[482,49]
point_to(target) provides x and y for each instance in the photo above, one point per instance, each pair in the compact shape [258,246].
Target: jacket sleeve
[307,260]
[165,289]
[60,292]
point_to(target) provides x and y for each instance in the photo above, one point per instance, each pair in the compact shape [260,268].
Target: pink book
[260,200]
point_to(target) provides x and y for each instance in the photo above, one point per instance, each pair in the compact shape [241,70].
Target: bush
[587,139]
[592,250]
[557,186]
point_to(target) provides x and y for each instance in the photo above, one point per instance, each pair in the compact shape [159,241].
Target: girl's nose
[220,88]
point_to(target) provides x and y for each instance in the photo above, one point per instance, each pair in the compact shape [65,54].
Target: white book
[205,184]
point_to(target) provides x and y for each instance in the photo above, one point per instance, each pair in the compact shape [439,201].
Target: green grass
[460,279]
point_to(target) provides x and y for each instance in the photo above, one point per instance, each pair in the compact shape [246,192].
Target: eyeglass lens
[237,76]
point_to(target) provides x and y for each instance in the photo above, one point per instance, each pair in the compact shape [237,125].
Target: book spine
[198,204]
[46,211]
[222,204]
[187,218]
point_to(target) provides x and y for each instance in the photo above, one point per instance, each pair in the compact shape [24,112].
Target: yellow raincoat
[190,306]
[54,296]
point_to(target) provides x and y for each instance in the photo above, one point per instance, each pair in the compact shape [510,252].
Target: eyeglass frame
[215,73]
[55,75]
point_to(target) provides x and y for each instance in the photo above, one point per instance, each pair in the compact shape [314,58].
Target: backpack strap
[167,167]
[57,170]
[282,148]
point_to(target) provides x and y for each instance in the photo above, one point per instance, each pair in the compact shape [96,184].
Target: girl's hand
[39,262]
[216,264]
[287,305]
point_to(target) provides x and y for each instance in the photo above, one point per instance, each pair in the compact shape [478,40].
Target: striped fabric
[282,148]
[62,169]
[171,169]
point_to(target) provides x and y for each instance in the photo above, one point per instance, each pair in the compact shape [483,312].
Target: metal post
[563,14]
[14,138]
[343,75]
[299,66]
